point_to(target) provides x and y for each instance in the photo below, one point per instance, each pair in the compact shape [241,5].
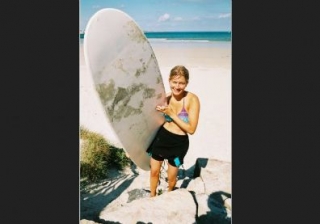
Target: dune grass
[97,156]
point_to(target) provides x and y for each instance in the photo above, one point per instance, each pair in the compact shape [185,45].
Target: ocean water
[187,39]
[189,36]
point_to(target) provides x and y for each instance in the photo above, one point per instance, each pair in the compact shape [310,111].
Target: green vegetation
[97,156]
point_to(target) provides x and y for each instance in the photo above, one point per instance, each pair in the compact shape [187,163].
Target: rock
[202,195]
[84,221]
[211,210]
[170,207]
[137,194]
[197,186]
[227,203]
[215,174]
[202,201]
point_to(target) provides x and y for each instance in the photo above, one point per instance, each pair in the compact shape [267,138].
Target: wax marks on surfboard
[134,32]
[116,99]
[136,62]
[122,100]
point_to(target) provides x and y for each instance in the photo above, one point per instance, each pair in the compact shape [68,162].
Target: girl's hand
[164,109]
[160,108]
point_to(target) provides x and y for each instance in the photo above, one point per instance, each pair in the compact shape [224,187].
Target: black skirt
[169,145]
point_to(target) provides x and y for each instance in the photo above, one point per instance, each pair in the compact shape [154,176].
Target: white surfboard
[127,80]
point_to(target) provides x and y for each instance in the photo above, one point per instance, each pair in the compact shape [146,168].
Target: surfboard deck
[126,78]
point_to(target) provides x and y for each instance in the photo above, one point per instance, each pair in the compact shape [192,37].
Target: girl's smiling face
[178,83]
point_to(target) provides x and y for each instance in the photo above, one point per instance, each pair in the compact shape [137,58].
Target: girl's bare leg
[172,176]
[154,175]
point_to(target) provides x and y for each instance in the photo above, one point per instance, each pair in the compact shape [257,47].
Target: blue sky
[166,15]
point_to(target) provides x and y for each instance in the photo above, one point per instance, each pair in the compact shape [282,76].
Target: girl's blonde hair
[179,70]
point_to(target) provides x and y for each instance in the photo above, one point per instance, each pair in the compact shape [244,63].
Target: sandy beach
[210,78]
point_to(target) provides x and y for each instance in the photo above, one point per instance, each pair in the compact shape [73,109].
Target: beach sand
[210,80]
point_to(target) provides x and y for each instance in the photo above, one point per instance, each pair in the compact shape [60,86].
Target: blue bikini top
[183,115]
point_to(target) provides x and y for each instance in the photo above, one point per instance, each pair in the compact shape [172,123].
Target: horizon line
[168,31]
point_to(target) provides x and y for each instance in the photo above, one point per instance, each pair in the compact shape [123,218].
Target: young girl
[172,141]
